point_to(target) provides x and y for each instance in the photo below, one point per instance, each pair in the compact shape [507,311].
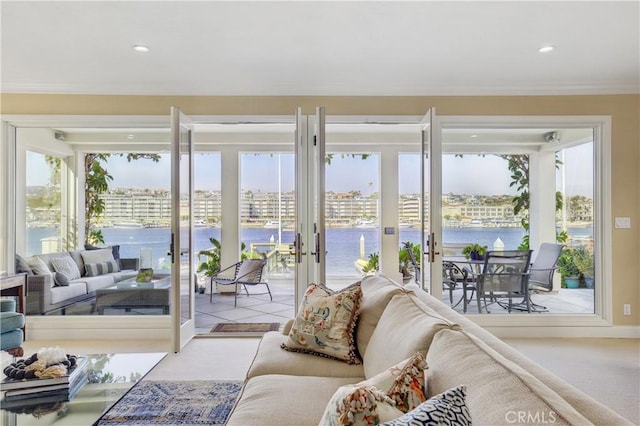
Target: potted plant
[474,251]
[584,261]
[405,263]
[372,264]
[211,263]
[568,269]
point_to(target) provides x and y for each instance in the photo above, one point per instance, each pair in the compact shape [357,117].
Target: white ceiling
[321,48]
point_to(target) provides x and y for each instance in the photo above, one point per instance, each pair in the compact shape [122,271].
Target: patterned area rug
[197,402]
[252,327]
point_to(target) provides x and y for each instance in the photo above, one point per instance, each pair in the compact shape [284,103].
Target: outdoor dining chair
[247,272]
[542,271]
[505,274]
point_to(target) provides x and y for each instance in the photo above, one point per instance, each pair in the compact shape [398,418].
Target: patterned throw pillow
[326,323]
[384,397]
[358,405]
[95,269]
[404,383]
[66,266]
[447,408]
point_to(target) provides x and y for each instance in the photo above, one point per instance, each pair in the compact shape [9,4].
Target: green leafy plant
[96,183]
[373,263]
[479,249]
[211,264]
[584,261]
[404,260]
[566,262]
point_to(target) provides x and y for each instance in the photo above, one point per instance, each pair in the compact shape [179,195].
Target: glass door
[181,249]
[431,228]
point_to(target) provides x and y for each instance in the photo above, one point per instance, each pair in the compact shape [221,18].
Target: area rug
[196,402]
[250,327]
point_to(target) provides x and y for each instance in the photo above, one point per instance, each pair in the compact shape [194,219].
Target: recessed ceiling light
[545,49]
[141,48]
[474,136]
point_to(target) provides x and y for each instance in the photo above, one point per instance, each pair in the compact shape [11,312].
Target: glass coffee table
[110,377]
[130,295]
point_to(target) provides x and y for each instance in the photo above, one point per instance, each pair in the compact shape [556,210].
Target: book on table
[36,399]
[15,387]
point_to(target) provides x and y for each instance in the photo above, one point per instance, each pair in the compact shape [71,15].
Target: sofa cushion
[97,256]
[498,390]
[115,250]
[39,266]
[101,281]
[384,397]
[61,279]
[406,326]
[404,383]
[22,265]
[377,291]
[101,268]
[66,266]
[358,405]
[284,400]
[271,359]
[62,293]
[325,324]
[446,409]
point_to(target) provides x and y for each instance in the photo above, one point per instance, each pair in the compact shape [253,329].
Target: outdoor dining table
[475,269]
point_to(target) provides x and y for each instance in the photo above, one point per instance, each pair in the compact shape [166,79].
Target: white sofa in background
[44,296]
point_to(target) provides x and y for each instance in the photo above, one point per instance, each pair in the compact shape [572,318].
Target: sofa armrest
[38,293]
[130,263]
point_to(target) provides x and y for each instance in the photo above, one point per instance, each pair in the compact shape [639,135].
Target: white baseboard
[145,327]
[613,332]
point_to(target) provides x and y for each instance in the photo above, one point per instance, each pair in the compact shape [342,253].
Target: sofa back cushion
[377,291]
[499,392]
[406,326]
[66,266]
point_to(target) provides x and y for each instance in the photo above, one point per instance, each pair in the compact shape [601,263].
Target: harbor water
[343,244]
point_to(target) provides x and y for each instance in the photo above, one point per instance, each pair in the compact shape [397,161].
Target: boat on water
[126,224]
[272,224]
[475,223]
[405,225]
[366,223]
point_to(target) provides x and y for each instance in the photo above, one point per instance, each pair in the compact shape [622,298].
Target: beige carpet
[606,369]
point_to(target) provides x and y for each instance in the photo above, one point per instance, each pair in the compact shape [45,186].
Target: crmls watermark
[530,417]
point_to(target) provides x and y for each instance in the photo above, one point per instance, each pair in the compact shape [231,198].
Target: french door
[430,215]
[181,249]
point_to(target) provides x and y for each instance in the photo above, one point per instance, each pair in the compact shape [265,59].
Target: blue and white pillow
[447,408]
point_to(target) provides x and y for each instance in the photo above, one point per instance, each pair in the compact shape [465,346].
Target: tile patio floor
[259,309]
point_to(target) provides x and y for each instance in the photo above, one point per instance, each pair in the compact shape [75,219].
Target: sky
[470,174]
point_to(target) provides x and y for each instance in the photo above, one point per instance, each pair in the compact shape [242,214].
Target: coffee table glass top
[110,377]
[157,281]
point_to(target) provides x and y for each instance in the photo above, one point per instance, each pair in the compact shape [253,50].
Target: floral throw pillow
[358,405]
[447,408]
[404,383]
[384,397]
[326,322]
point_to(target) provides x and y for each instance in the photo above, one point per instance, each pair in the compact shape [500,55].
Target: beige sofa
[44,296]
[503,386]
